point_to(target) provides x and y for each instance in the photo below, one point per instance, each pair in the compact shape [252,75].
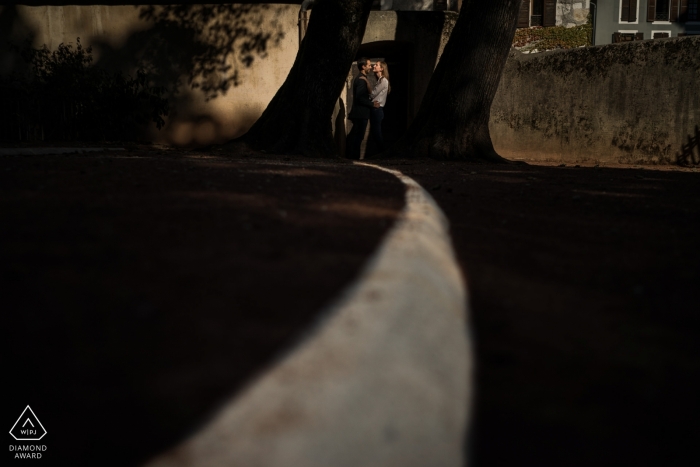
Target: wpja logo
[28,428]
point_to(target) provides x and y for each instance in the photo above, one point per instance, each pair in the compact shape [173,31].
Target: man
[360,112]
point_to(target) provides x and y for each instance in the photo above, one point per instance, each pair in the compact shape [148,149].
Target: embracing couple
[367,105]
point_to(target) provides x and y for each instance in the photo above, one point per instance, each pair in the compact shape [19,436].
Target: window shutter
[674,11]
[639,36]
[524,14]
[616,37]
[633,11]
[625,16]
[651,10]
[550,13]
[683,10]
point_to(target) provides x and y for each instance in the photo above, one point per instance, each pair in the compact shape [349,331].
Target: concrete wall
[217,89]
[407,4]
[635,102]
[623,102]
[179,52]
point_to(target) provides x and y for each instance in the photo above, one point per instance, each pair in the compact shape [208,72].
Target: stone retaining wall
[637,102]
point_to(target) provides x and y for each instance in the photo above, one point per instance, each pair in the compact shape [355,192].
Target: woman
[378,96]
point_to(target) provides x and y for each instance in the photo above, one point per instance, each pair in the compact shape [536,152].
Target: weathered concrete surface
[384,381]
[181,52]
[175,51]
[637,102]
[407,5]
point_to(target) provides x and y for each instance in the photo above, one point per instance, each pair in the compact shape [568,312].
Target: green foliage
[58,96]
[558,37]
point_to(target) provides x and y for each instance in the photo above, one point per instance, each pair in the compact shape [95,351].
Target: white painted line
[384,380]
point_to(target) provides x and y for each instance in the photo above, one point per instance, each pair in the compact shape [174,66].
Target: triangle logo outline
[23,416]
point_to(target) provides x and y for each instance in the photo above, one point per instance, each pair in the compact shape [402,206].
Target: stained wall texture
[221,64]
[635,102]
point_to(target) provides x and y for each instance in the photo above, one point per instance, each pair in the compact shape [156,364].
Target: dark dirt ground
[140,291]
[585,295]
[120,274]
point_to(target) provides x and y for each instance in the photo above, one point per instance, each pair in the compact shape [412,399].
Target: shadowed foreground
[141,292]
[586,310]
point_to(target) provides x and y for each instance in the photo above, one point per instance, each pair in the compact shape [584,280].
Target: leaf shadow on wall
[205,45]
[191,54]
[194,51]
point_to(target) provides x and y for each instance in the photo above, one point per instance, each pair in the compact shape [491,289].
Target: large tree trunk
[453,119]
[298,119]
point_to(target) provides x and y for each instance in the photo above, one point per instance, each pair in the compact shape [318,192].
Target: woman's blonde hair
[385,73]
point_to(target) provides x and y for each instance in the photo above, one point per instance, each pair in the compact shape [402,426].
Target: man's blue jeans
[375,127]
[355,137]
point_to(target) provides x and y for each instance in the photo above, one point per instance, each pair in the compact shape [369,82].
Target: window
[660,34]
[537,12]
[627,36]
[628,11]
[549,13]
[693,11]
[663,10]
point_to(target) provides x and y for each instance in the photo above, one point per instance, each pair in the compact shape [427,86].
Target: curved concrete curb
[385,379]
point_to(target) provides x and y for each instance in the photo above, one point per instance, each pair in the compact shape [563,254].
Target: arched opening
[399,110]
